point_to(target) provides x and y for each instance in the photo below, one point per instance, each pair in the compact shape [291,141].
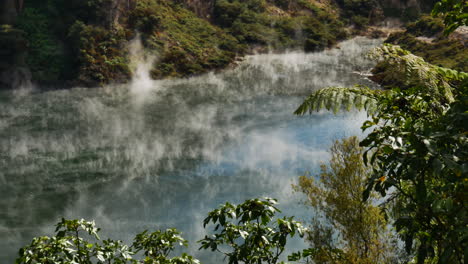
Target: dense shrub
[353,9]
[185,44]
[441,50]
[45,52]
[100,53]
[306,26]
[88,47]
[428,26]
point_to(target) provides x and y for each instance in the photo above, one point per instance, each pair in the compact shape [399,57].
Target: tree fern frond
[333,98]
[417,72]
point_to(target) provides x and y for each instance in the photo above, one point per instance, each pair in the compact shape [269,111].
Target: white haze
[157,154]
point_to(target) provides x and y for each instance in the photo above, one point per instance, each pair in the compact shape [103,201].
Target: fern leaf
[417,72]
[334,98]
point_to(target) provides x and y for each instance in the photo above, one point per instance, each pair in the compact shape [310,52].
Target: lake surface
[160,154]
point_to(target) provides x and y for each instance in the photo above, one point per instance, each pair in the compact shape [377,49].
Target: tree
[69,246]
[246,233]
[345,229]
[455,13]
[419,151]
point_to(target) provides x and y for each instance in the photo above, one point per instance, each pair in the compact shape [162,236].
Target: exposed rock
[461,34]
[425,39]
[203,8]
[115,12]
[15,77]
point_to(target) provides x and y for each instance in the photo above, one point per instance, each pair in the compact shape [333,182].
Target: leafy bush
[362,8]
[249,231]
[69,246]
[443,51]
[264,240]
[46,56]
[454,12]
[426,26]
[360,22]
[100,55]
[419,158]
[185,44]
[344,228]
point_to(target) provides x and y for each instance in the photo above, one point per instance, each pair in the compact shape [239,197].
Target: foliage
[252,23]
[185,43]
[100,54]
[455,13]
[419,159]
[345,229]
[50,52]
[45,56]
[69,246]
[361,12]
[249,231]
[158,245]
[332,98]
[424,38]
[446,52]
[248,228]
[408,70]
[428,26]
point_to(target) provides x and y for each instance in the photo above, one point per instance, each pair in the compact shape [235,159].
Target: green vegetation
[46,55]
[345,229]
[454,12]
[80,46]
[414,161]
[69,246]
[434,46]
[402,69]
[427,26]
[100,54]
[185,44]
[247,228]
[88,45]
[419,156]
[295,23]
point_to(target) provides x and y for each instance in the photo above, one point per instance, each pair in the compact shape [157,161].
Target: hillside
[85,43]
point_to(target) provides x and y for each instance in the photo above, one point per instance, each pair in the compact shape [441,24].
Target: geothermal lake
[160,154]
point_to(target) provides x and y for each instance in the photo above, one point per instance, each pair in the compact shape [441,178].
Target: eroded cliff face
[203,8]
[117,11]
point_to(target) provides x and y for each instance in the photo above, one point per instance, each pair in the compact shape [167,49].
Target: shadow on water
[157,154]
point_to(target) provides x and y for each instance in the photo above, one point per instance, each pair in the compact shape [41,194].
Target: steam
[157,154]
[141,63]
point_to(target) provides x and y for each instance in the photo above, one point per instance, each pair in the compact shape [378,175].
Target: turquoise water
[159,154]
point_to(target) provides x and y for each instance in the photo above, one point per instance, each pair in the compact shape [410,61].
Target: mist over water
[159,154]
